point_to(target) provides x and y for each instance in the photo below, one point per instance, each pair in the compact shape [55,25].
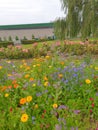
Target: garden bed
[49,93]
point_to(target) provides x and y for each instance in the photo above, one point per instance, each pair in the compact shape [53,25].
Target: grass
[39,43]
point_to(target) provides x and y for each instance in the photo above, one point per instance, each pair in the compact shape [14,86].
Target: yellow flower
[50,66]
[22,101]
[45,78]
[46,83]
[21,66]
[6,95]
[88,81]
[34,85]
[25,64]
[91,66]
[27,76]
[23,60]
[96,68]
[47,57]
[34,66]
[9,75]
[24,118]
[8,61]
[36,106]
[1,67]
[29,98]
[55,105]
[60,75]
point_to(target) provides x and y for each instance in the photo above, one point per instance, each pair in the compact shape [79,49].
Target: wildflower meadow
[49,92]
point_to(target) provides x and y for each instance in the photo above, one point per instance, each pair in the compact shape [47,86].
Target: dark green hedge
[6,43]
[35,40]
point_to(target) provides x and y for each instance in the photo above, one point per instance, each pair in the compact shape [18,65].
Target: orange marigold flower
[27,76]
[28,68]
[24,118]
[4,88]
[55,105]
[45,78]
[38,65]
[31,79]
[23,101]
[14,82]
[15,85]
[60,75]
[62,63]
[24,64]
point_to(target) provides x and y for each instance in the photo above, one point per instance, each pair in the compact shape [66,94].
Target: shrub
[6,43]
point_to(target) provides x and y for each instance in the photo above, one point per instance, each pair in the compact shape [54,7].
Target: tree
[16,38]
[81,18]
[10,38]
[60,28]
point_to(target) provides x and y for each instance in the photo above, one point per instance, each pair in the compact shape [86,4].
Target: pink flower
[19,47]
[25,50]
[35,44]
[1,49]
[58,43]
[82,43]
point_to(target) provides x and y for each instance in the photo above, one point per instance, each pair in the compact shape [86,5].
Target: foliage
[44,48]
[10,38]
[33,36]
[6,43]
[25,41]
[60,28]
[16,38]
[48,93]
[81,18]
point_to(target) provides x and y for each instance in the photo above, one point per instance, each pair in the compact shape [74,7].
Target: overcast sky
[29,11]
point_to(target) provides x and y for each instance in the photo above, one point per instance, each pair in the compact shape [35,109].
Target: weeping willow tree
[89,18]
[81,18]
[60,28]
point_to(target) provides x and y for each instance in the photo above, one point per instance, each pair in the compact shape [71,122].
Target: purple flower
[62,107]
[97,94]
[72,128]
[58,127]
[33,118]
[38,94]
[62,121]
[76,111]
[75,75]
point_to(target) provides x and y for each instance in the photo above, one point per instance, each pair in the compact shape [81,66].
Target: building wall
[27,33]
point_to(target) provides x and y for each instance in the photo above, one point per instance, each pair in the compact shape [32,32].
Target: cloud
[29,11]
